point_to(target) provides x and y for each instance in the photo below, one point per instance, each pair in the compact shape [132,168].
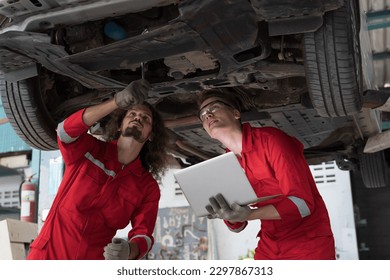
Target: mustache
[136,121]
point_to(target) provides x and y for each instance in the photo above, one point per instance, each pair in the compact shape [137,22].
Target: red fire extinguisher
[27,200]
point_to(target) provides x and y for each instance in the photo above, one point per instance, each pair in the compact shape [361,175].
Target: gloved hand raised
[135,93]
[118,249]
[219,208]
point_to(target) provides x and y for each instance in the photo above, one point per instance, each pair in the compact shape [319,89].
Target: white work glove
[219,208]
[135,93]
[118,249]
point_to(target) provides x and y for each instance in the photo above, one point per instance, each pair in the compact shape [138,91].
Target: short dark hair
[226,97]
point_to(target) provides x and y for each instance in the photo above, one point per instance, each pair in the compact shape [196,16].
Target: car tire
[333,63]
[375,169]
[27,114]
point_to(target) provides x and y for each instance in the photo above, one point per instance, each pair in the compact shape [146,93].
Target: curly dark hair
[153,154]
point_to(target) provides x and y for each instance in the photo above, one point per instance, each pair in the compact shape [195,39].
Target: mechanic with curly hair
[294,222]
[107,183]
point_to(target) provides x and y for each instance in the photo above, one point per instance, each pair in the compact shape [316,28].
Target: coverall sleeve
[72,137]
[236,227]
[143,222]
[285,155]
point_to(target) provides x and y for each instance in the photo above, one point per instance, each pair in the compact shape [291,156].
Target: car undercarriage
[297,65]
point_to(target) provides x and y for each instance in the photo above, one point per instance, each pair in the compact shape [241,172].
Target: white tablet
[222,174]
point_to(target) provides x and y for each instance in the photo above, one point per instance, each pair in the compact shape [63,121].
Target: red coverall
[275,164]
[97,196]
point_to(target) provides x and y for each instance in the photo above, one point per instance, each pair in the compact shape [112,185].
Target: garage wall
[336,190]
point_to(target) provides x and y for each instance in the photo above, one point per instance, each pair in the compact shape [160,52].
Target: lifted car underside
[295,64]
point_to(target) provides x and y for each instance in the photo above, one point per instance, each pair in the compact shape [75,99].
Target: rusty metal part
[192,150]
[186,121]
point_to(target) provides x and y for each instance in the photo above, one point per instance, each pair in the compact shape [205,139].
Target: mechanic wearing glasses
[106,184]
[295,223]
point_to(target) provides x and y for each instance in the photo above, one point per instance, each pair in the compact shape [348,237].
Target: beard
[133,132]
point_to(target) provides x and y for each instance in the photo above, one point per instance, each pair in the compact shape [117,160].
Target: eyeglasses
[212,108]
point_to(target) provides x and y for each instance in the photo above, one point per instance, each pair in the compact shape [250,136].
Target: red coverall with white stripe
[97,196]
[275,165]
